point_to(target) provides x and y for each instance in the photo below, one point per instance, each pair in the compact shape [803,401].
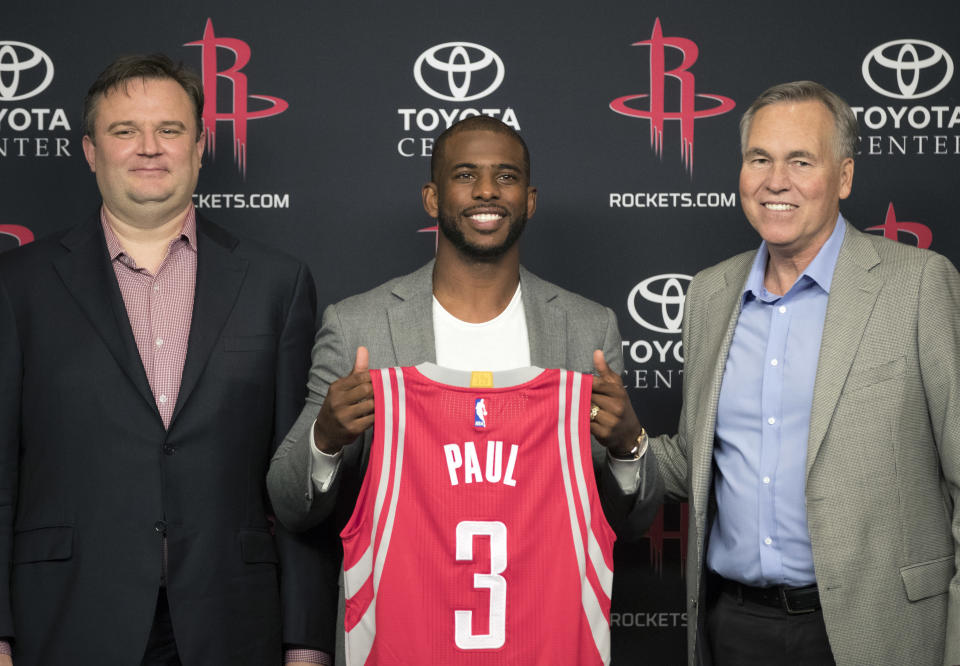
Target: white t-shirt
[498,344]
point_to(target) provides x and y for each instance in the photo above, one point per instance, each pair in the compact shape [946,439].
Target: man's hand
[615,425]
[348,408]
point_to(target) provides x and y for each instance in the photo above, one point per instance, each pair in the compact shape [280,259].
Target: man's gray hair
[846,131]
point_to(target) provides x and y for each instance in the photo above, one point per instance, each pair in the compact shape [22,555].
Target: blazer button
[169,449]
[160,527]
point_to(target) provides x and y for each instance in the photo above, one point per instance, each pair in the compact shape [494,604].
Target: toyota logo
[17,58]
[666,291]
[909,61]
[462,62]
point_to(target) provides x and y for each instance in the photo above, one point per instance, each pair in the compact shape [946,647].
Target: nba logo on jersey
[480,414]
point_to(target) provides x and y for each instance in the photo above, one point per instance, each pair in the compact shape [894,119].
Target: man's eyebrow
[794,154]
[120,123]
[472,165]
[130,123]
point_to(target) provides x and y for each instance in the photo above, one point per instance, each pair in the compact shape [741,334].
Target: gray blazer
[395,322]
[883,455]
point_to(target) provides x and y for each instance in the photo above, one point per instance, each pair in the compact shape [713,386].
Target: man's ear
[431,201]
[90,152]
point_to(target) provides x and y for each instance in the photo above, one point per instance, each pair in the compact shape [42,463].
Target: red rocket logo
[655,110]
[239,112]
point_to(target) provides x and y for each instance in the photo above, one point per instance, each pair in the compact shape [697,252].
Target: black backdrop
[335,177]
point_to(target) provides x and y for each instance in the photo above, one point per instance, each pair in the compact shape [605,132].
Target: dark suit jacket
[89,477]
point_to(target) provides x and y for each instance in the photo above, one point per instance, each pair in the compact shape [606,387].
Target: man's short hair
[121,71]
[482,123]
[846,130]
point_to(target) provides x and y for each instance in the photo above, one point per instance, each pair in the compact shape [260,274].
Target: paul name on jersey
[462,460]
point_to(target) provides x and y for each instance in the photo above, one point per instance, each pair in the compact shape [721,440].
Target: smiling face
[791,180]
[145,151]
[481,196]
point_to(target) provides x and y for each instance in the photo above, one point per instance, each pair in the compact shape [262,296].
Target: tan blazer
[883,455]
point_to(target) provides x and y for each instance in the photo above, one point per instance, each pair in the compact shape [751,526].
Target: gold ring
[594,410]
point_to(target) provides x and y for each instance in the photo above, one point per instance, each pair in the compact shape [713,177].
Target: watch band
[639,448]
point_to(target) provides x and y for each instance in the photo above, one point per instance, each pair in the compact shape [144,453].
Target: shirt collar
[188,232]
[820,270]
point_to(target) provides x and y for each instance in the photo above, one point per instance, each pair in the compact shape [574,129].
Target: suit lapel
[219,277]
[411,318]
[546,324]
[88,276]
[853,294]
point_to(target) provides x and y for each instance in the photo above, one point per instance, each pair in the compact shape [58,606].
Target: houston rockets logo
[240,113]
[656,111]
[19,233]
[435,230]
[892,228]
[659,532]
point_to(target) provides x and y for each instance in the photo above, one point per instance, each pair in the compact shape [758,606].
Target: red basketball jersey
[478,536]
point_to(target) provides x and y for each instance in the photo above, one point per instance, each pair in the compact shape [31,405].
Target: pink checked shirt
[160,308]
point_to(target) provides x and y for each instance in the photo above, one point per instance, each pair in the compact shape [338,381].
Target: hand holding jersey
[615,424]
[348,409]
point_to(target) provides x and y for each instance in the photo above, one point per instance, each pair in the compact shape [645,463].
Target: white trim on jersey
[357,575]
[359,640]
[604,573]
[588,597]
[397,469]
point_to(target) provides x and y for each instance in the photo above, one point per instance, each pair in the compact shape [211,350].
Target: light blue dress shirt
[759,535]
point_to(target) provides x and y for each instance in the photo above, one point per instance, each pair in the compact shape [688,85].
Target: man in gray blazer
[819,441]
[474,307]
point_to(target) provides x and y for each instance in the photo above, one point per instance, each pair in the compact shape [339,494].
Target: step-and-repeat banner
[321,118]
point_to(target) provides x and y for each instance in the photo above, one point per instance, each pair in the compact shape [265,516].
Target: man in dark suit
[151,362]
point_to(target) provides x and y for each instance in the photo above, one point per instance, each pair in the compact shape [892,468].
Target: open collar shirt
[759,535]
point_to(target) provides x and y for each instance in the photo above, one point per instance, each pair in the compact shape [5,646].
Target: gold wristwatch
[639,447]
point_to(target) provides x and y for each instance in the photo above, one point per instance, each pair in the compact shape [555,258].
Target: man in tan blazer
[819,441]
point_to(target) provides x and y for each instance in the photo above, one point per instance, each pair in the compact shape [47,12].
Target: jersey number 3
[493,581]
